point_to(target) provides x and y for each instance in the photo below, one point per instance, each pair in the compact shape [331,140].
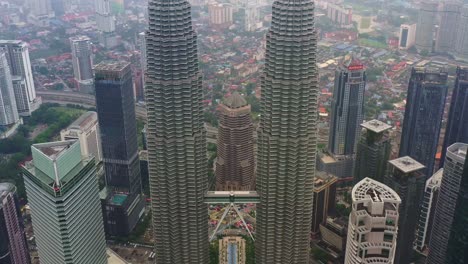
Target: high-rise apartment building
[406,178]
[176,135]
[8,110]
[251,17]
[407,36]
[461,45]
[105,21]
[220,14]
[427,212]
[425,105]
[373,223]
[425,26]
[447,30]
[235,163]
[13,245]
[446,202]
[340,14]
[324,199]
[232,250]
[86,130]
[457,130]
[17,54]
[287,135]
[40,12]
[63,194]
[457,248]
[115,106]
[373,151]
[82,59]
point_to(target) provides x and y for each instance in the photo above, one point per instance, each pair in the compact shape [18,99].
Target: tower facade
[13,245]
[446,202]
[176,135]
[425,26]
[461,45]
[457,130]
[347,108]
[82,60]
[447,33]
[287,135]
[425,105]
[115,106]
[235,163]
[373,223]
[8,110]
[63,194]
[373,151]
[17,54]
[405,177]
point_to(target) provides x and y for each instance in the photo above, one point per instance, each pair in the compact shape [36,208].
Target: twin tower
[177,139]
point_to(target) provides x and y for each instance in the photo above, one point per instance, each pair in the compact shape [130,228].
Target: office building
[425,26]
[407,36]
[115,106]
[40,12]
[232,250]
[340,14]
[82,59]
[287,135]
[86,130]
[457,130]
[447,33]
[373,151]
[105,22]
[373,223]
[63,194]
[324,199]
[425,105]
[446,202]
[13,245]
[235,163]
[176,135]
[334,232]
[17,54]
[8,110]
[426,215]
[461,45]
[220,14]
[457,248]
[405,177]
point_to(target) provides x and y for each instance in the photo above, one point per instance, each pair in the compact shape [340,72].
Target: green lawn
[372,43]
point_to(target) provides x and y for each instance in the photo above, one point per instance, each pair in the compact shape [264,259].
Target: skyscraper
[457,248]
[105,21]
[405,177]
[235,163]
[13,245]
[373,151]
[426,215]
[8,110]
[176,135]
[447,33]
[17,54]
[457,130]
[407,36]
[425,26]
[287,135]
[446,202]
[63,194]
[425,105]
[324,199]
[115,106]
[373,223]
[461,45]
[41,12]
[82,59]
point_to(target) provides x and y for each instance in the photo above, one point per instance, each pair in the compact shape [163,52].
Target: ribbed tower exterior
[235,164]
[176,135]
[287,135]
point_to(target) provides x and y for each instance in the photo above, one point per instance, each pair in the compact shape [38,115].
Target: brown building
[235,165]
[324,199]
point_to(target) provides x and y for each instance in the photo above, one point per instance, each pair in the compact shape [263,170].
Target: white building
[105,21]
[407,37]
[82,59]
[8,110]
[86,130]
[252,18]
[220,14]
[40,12]
[373,223]
[17,54]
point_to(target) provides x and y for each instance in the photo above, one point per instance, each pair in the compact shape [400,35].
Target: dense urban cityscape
[233,131]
